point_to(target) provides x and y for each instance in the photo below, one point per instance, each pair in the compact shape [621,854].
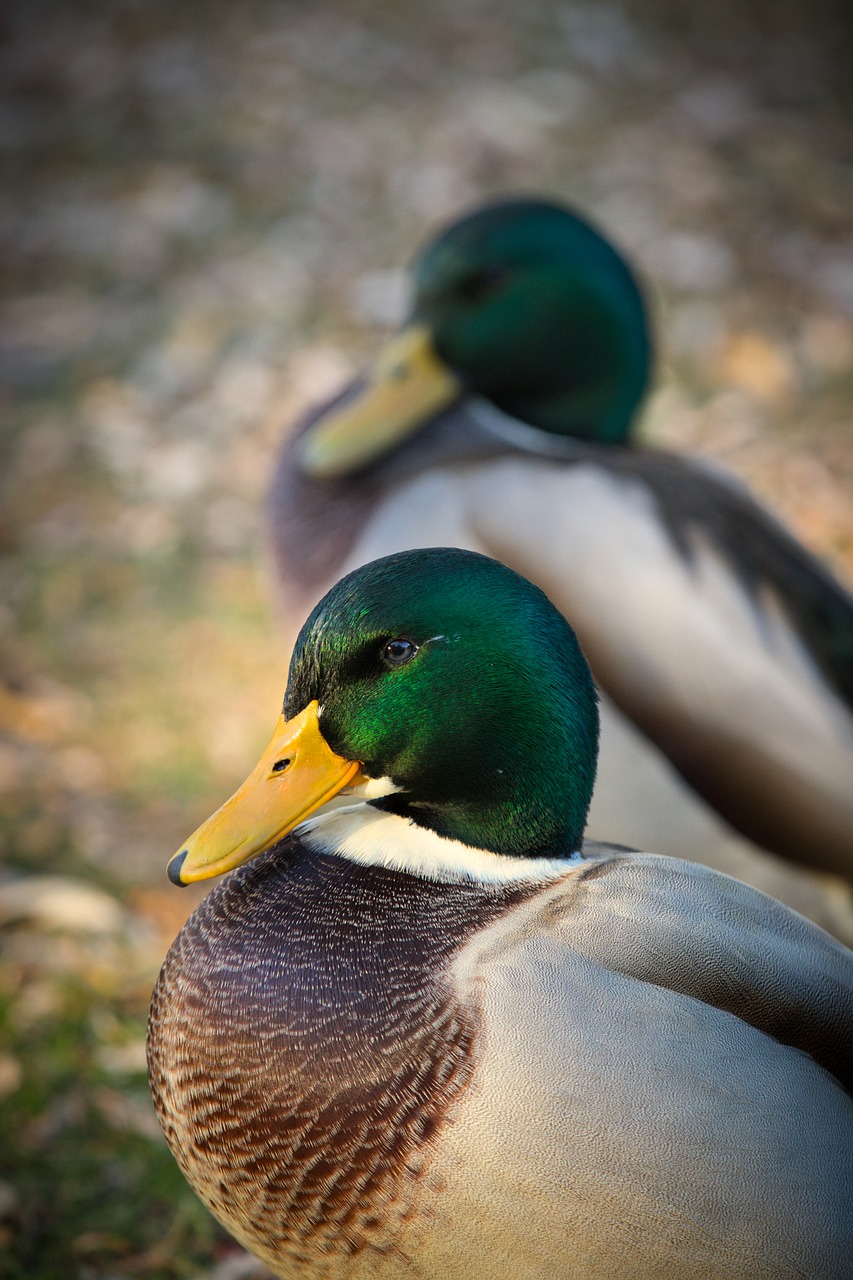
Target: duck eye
[485,282]
[398,652]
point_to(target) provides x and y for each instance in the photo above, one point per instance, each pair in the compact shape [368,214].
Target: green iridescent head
[533,309]
[457,679]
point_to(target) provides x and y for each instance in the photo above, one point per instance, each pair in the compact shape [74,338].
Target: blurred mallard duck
[500,420]
[430,1034]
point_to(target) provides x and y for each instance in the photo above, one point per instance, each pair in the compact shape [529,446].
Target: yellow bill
[297,774]
[407,384]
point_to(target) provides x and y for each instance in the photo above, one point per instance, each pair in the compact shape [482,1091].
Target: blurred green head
[522,303]
[535,310]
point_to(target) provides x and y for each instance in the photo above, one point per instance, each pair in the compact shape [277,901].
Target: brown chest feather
[303,1072]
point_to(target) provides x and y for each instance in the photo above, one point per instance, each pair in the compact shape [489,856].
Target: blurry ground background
[202,223]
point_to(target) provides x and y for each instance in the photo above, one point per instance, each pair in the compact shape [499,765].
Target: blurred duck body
[499,421]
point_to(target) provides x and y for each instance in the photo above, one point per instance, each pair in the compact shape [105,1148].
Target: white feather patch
[521,434]
[370,789]
[371,836]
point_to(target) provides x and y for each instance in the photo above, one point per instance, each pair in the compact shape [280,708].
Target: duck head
[435,684]
[522,303]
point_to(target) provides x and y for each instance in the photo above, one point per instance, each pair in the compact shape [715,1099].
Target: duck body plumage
[635,1069]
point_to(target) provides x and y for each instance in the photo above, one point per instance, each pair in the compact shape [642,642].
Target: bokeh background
[204,219]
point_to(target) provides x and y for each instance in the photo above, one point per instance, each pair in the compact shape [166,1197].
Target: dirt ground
[206,213]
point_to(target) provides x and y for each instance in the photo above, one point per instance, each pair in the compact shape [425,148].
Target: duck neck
[504,820]
[591,378]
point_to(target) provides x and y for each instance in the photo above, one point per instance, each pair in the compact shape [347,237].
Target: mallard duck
[430,1033]
[500,420]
